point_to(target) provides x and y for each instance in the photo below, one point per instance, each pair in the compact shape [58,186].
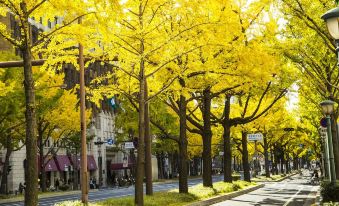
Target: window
[49,24]
[98,122]
[47,144]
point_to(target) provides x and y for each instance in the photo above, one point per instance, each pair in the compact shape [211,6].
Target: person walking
[57,183]
[21,188]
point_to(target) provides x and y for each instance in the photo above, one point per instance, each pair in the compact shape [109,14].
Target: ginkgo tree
[57,115]
[310,47]
[23,11]
[11,115]
[146,38]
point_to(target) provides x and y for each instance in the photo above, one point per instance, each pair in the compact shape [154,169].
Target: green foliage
[64,187]
[74,203]
[264,178]
[161,198]
[331,204]
[173,198]
[329,192]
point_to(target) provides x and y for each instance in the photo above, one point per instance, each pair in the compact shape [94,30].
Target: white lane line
[311,196]
[288,202]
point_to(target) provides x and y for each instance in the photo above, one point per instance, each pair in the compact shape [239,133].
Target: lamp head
[327,107]
[331,18]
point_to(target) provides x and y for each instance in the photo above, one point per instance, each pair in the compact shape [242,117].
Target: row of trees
[217,65]
[57,116]
[309,46]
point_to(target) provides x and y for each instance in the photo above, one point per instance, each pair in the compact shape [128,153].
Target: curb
[227,196]
[278,180]
[21,198]
[284,178]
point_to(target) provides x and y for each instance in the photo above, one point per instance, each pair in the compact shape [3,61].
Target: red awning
[62,162]
[50,166]
[91,164]
[119,166]
[75,162]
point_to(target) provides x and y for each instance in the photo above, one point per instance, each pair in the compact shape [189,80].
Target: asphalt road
[294,191]
[109,193]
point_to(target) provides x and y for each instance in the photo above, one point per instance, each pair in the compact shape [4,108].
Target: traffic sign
[254,137]
[323,122]
[110,141]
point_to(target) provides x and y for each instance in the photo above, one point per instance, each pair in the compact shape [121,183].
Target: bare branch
[170,60]
[162,89]
[126,42]
[35,7]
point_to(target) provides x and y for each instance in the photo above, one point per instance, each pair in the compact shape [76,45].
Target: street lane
[110,193]
[294,191]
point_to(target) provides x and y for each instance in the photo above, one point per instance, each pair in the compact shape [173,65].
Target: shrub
[74,203]
[236,177]
[331,204]
[329,192]
[64,187]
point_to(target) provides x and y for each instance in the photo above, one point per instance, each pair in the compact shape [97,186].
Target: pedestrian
[21,188]
[57,183]
[91,183]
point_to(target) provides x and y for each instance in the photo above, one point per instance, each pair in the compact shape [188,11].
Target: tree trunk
[42,160]
[267,166]
[139,195]
[207,139]
[148,148]
[160,172]
[31,174]
[276,160]
[227,141]
[75,178]
[183,159]
[287,166]
[4,180]
[282,164]
[247,175]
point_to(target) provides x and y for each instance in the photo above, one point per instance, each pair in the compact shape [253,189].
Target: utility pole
[84,174]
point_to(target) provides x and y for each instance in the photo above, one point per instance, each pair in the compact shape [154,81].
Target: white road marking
[288,202]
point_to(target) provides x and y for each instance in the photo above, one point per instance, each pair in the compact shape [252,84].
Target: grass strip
[172,197]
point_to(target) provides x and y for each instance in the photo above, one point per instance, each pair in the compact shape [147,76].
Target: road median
[228,196]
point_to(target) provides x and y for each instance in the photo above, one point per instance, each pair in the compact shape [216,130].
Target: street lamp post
[325,156]
[327,107]
[331,18]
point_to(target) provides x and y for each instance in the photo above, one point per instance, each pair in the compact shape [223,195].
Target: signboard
[221,153]
[254,137]
[113,103]
[129,145]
